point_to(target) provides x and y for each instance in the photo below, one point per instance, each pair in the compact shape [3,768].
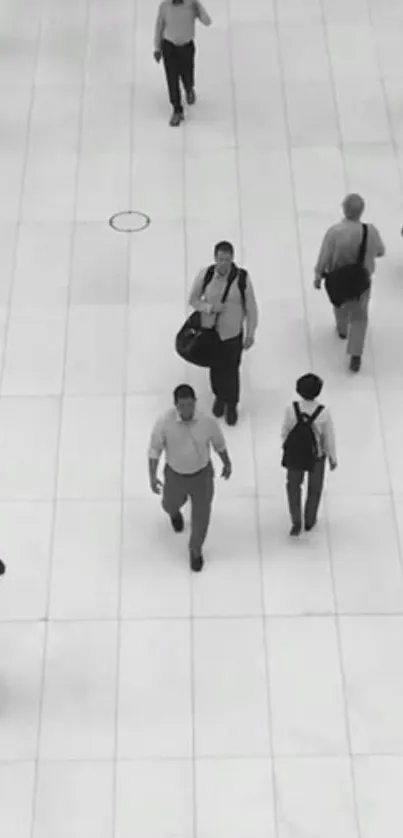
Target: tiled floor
[263,698]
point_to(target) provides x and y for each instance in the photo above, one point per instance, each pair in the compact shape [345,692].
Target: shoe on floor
[295,529]
[176,120]
[196,562]
[231,415]
[310,526]
[355,363]
[218,408]
[177,522]
[2,568]
[191,97]
[342,335]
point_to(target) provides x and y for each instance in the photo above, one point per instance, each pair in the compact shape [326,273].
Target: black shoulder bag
[349,281]
[198,345]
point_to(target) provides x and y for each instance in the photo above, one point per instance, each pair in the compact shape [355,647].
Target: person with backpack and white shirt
[239,310]
[308,441]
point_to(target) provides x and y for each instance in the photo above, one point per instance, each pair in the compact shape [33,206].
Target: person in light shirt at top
[185,435]
[174,43]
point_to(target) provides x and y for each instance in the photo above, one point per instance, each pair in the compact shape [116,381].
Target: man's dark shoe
[2,568]
[191,97]
[355,363]
[231,415]
[295,530]
[196,562]
[342,335]
[218,408]
[176,119]
[177,522]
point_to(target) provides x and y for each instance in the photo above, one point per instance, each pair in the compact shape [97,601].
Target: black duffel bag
[349,281]
[198,345]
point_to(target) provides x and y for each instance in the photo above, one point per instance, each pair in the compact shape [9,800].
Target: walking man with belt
[235,320]
[174,43]
[340,247]
[186,436]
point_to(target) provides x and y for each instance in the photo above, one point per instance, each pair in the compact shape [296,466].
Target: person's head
[353,207]
[224,256]
[185,401]
[309,386]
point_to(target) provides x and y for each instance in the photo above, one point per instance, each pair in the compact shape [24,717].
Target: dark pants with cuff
[179,65]
[295,480]
[199,487]
[224,373]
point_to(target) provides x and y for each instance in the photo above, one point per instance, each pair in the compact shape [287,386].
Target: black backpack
[300,449]
[241,282]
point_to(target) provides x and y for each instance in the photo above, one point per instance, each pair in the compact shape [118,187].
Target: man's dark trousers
[179,63]
[224,373]
[295,480]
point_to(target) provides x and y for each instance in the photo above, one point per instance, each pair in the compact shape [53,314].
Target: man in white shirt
[186,436]
[174,43]
[236,322]
[309,388]
[340,247]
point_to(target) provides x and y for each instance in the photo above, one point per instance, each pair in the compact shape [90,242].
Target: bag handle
[363,245]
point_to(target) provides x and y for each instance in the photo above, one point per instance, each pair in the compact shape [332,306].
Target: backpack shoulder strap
[315,414]
[231,278]
[242,286]
[363,245]
[297,411]
[208,276]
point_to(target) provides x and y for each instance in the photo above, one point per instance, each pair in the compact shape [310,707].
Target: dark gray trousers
[199,487]
[295,481]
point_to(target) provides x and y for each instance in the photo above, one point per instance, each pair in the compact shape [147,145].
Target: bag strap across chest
[363,245]
[235,273]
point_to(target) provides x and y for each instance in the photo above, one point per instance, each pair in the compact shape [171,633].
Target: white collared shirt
[187,445]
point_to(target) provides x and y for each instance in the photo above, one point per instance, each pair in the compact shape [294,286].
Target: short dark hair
[184,391]
[225,247]
[309,386]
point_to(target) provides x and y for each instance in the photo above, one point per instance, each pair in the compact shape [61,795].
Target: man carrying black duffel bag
[228,314]
[346,263]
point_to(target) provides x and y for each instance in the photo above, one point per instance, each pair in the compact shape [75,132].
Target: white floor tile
[34,357]
[74,798]
[26,531]
[28,436]
[99,265]
[155,709]
[90,465]
[22,651]
[16,795]
[43,251]
[78,713]
[154,798]
[372,664]
[313,795]
[86,561]
[378,782]
[306,687]
[368,574]
[96,350]
[235,797]
[231,713]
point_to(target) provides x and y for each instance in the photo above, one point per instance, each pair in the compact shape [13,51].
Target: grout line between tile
[59,432]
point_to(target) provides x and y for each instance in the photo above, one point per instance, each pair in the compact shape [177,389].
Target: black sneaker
[218,408]
[231,416]
[310,526]
[355,363]
[295,530]
[196,562]
[191,97]
[176,119]
[2,568]
[177,522]
[342,335]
